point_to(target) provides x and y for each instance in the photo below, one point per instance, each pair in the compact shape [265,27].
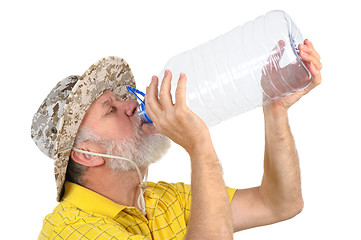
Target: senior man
[102,151]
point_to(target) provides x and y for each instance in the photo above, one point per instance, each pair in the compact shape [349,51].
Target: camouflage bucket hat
[57,120]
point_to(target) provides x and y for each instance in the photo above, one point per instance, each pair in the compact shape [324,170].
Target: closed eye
[112,110]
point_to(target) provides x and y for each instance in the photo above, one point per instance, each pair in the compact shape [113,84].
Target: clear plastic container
[247,67]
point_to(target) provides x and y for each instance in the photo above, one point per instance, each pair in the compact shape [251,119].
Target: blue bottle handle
[141,108]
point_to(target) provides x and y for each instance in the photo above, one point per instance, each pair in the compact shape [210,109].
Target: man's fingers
[311,58]
[165,96]
[157,108]
[180,93]
[309,49]
[309,44]
[152,104]
[316,73]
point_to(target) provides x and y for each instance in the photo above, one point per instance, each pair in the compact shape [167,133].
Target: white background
[42,42]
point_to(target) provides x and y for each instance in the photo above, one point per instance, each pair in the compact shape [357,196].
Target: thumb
[276,55]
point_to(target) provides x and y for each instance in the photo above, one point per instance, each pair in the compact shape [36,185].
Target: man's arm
[210,216]
[279,196]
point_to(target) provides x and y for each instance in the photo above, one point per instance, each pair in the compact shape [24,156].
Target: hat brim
[110,73]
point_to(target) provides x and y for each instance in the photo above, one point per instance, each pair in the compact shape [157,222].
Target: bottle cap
[141,107]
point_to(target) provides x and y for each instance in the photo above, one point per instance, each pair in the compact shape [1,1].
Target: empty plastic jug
[247,67]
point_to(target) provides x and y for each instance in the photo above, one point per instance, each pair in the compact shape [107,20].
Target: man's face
[122,133]
[111,118]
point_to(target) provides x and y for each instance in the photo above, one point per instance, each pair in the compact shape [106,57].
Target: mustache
[138,126]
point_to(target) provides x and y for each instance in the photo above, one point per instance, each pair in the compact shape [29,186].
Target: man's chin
[146,148]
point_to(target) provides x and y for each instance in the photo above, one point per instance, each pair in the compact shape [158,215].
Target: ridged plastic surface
[247,67]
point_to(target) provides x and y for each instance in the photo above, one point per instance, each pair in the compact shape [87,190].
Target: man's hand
[312,60]
[175,120]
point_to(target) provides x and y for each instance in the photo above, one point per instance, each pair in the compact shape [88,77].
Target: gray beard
[143,150]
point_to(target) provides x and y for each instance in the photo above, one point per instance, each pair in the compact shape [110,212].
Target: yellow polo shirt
[84,214]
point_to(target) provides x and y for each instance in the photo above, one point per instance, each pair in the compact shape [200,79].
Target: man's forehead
[101,101]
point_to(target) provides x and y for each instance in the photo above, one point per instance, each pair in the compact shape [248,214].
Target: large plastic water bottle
[247,67]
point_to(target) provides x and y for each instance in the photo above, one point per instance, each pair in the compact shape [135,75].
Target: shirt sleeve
[185,197]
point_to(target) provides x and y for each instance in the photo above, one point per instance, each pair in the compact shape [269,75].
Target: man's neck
[121,187]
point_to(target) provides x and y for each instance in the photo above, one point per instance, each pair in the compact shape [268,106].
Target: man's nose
[131,107]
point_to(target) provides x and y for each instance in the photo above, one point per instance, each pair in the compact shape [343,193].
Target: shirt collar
[90,201]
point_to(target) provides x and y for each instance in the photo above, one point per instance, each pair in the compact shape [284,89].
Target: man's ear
[86,159]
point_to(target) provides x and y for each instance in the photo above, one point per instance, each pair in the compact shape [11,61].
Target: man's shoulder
[180,190]
[66,218]
[66,209]
[162,186]
[163,189]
